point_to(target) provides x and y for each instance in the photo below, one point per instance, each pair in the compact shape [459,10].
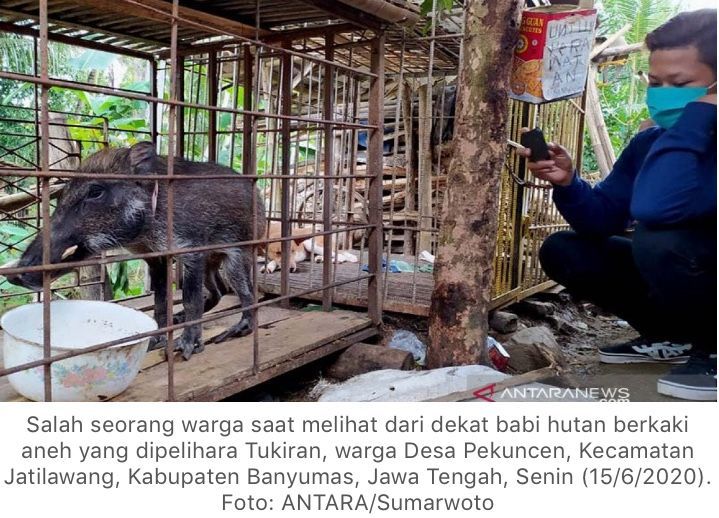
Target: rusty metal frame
[250,50]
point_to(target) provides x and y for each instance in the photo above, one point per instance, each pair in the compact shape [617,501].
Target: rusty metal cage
[284,101]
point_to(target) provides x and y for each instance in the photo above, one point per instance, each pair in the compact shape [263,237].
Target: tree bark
[464,267]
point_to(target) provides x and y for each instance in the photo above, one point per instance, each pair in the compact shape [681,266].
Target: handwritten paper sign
[552,57]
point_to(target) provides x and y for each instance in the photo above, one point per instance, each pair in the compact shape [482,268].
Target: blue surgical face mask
[666,103]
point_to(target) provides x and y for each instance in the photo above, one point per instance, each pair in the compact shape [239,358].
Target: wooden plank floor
[288,339]
[403,292]
[408,293]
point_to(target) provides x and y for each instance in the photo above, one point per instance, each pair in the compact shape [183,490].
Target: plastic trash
[408,341]
[498,355]
[424,255]
[395,266]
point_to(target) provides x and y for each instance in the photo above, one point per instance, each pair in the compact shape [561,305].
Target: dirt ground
[589,328]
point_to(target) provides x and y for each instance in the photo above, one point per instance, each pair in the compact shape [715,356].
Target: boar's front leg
[193,301]
[158,283]
[239,270]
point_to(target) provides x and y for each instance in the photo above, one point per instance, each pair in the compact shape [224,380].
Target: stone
[404,340]
[622,323]
[503,322]
[361,358]
[531,349]
[566,326]
[582,326]
[538,308]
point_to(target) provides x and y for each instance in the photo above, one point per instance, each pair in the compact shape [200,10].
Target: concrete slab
[412,386]
[639,379]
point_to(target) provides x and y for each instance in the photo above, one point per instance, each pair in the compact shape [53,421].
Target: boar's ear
[142,158]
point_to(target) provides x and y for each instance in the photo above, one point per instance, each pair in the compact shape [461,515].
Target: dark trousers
[663,282]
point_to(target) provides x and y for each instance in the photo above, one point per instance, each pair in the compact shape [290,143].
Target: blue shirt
[665,177]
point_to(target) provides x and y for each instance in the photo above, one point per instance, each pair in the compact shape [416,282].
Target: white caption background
[409,473]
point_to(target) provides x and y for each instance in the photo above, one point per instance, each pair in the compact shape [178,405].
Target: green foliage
[622,92]
[11,233]
[442,5]
[105,119]
[126,279]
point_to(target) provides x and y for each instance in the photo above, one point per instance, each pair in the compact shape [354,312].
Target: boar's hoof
[243,328]
[188,346]
[157,342]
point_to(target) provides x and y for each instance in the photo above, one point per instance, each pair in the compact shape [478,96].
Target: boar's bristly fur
[94,215]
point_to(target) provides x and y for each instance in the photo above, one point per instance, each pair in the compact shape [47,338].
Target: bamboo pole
[609,41]
[598,133]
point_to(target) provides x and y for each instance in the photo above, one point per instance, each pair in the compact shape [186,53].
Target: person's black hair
[689,29]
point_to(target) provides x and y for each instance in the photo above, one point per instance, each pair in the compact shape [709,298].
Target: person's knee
[555,253]
[661,252]
[676,260]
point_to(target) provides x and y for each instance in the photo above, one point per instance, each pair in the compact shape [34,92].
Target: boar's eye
[95,192]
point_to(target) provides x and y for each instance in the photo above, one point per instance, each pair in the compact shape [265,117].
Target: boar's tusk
[155,192]
[68,252]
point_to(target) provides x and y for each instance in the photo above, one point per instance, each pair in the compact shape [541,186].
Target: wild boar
[93,215]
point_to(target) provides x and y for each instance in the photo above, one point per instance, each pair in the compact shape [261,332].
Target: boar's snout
[59,252]
[32,280]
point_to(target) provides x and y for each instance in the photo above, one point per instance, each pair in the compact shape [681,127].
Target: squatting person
[662,279]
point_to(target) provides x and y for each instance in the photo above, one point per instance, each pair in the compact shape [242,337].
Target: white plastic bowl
[76,324]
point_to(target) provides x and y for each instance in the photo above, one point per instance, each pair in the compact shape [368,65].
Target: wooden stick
[12,202]
[619,51]
[609,41]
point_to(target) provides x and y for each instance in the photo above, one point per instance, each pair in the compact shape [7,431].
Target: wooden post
[411,175]
[212,89]
[329,161]
[424,168]
[153,104]
[178,67]
[375,169]
[286,134]
[248,149]
[464,266]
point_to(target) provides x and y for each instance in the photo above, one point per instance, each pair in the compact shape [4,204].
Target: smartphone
[534,140]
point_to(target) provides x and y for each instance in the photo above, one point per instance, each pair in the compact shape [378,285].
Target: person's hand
[559,169]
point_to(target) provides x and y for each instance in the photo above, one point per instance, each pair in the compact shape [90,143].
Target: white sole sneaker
[618,358]
[686,392]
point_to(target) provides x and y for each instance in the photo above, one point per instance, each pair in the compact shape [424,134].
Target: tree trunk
[464,268]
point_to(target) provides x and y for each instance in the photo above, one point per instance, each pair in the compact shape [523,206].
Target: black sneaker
[641,350]
[696,380]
